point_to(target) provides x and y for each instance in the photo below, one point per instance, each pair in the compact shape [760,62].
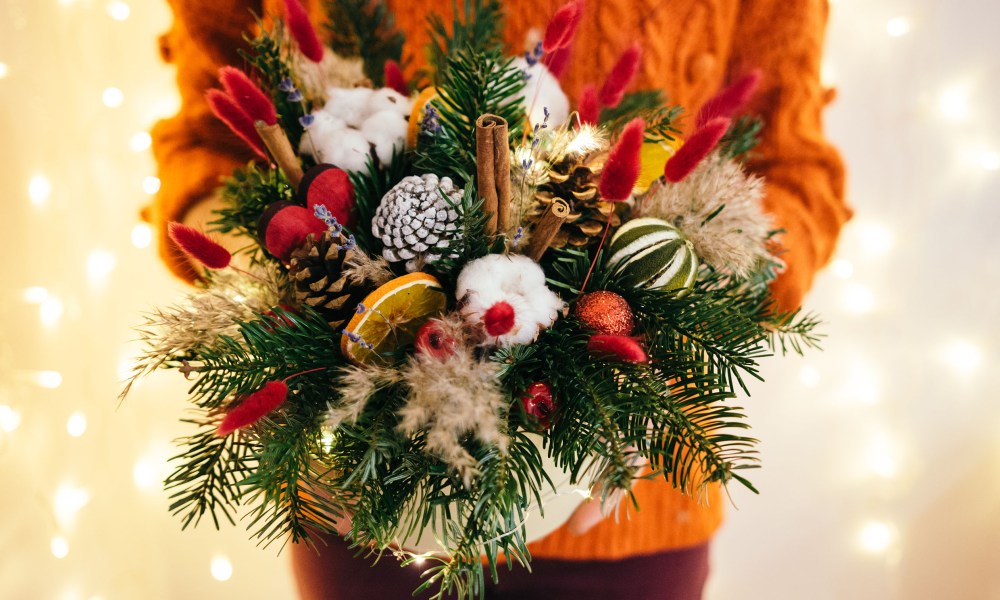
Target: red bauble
[617,347]
[284,226]
[331,187]
[605,312]
[538,403]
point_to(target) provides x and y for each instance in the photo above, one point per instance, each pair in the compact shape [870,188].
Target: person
[691,49]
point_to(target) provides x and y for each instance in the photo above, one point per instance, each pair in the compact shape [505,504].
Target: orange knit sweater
[691,48]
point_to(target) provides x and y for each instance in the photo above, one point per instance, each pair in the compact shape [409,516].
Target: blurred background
[881,454]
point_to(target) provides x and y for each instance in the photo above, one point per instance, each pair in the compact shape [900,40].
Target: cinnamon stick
[281,151]
[547,228]
[493,171]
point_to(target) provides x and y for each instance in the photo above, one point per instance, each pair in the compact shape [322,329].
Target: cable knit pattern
[691,48]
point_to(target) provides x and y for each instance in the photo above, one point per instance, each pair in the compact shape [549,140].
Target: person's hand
[592,511]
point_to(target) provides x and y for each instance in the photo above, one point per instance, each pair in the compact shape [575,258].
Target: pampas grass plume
[247,95]
[199,246]
[622,168]
[302,30]
[695,149]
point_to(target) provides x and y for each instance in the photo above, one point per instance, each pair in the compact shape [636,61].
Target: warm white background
[881,473]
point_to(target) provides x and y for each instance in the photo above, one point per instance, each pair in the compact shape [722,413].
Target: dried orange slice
[390,317]
[417,115]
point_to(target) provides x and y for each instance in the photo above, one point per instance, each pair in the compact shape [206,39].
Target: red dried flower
[730,99]
[247,95]
[621,76]
[622,168]
[394,77]
[562,26]
[620,347]
[198,246]
[253,407]
[557,61]
[230,113]
[302,30]
[695,149]
[588,108]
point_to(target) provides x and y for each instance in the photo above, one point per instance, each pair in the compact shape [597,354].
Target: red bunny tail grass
[621,76]
[695,149]
[302,30]
[731,99]
[562,26]
[394,77]
[557,62]
[619,347]
[588,107]
[247,95]
[253,407]
[198,246]
[621,170]
[227,111]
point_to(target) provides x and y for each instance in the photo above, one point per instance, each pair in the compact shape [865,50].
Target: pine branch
[651,106]
[246,195]
[269,53]
[370,185]
[477,27]
[741,138]
[473,243]
[366,29]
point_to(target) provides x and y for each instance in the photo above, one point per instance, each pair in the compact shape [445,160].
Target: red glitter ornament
[605,312]
[538,403]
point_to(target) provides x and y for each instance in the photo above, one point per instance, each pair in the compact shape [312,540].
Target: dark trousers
[335,574]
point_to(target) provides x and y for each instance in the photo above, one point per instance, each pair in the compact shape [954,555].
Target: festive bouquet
[452,298]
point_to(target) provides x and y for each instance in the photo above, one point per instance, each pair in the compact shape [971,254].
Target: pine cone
[415,220]
[317,272]
[575,180]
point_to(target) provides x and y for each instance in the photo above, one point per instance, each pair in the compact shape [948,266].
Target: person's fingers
[592,511]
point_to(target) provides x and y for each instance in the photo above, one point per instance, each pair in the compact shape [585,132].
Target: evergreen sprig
[370,185]
[269,53]
[477,27]
[246,195]
[741,138]
[652,106]
[365,29]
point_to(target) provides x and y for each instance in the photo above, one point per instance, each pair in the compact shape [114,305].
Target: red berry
[499,319]
[433,341]
[537,402]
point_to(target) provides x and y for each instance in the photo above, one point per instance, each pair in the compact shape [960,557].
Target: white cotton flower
[543,92]
[349,104]
[385,130]
[389,99]
[348,150]
[488,283]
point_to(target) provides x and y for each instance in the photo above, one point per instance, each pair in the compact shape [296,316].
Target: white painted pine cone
[417,220]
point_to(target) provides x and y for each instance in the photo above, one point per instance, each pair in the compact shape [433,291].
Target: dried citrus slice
[390,316]
[653,156]
[417,115]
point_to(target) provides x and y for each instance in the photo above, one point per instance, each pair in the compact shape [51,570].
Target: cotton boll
[349,104]
[322,134]
[389,99]
[542,91]
[347,150]
[385,130]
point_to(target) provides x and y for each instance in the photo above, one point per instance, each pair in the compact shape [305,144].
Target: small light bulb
[59,547]
[9,418]
[144,474]
[151,185]
[809,376]
[48,379]
[142,235]
[898,26]
[113,97]
[222,569]
[100,264]
[876,239]
[68,501]
[881,457]
[3,70]
[39,190]
[140,142]
[76,425]
[119,11]
[963,356]
[827,74]
[954,103]
[875,537]
[842,268]
[35,294]
[858,299]
[990,161]
[50,311]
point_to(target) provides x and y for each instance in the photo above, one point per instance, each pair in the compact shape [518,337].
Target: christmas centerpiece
[461,294]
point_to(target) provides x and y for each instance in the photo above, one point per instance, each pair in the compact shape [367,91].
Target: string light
[100,264]
[898,26]
[3,70]
[990,161]
[954,103]
[842,268]
[76,424]
[35,294]
[59,546]
[119,11]
[857,299]
[68,501]
[50,311]
[809,376]
[222,569]
[876,239]
[881,456]
[140,142]
[48,379]
[142,235]
[10,419]
[963,356]
[39,190]
[151,185]
[113,97]
[876,537]
[144,474]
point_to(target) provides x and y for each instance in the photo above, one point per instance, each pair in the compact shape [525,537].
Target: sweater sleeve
[804,174]
[193,149]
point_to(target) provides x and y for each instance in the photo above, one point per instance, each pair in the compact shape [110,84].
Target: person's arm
[804,174]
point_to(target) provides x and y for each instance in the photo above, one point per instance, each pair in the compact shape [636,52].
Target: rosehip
[433,341]
[537,402]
